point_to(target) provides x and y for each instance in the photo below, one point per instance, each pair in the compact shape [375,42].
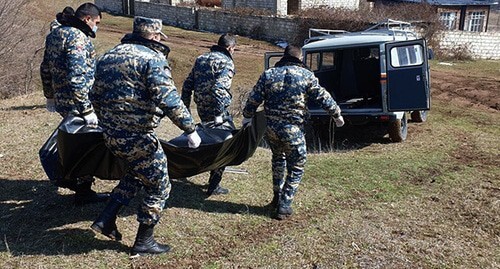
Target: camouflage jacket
[210,81]
[54,24]
[67,69]
[285,90]
[134,89]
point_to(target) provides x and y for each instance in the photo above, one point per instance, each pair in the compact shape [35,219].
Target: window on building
[449,20]
[475,21]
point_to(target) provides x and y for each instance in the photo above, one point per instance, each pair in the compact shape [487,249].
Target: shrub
[459,52]
[209,3]
[423,15]
[202,3]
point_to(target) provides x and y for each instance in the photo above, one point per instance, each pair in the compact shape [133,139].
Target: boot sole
[134,254]
[283,216]
[99,230]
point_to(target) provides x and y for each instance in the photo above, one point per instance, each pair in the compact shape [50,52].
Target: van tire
[320,137]
[398,129]
[419,116]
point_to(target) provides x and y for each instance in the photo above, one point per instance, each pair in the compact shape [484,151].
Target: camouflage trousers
[288,148]
[147,168]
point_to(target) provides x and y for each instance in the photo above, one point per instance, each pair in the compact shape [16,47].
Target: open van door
[408,82]
[271,58]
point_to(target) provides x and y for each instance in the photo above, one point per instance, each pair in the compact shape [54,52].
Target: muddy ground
[469,91]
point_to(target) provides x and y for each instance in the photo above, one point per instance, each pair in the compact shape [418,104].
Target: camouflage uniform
[133,91]
[210,82]
[67,69]
[54,24]
[285,91]
[67,73]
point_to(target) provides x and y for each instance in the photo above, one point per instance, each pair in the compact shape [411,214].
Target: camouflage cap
[148,25]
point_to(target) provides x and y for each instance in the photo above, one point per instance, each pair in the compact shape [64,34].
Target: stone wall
[261,27]
[112,6]
[183,17]
[482,45]
[269,5]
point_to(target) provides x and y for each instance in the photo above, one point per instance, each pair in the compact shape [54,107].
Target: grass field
[430,202]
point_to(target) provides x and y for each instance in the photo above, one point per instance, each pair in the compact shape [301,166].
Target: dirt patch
[467,91]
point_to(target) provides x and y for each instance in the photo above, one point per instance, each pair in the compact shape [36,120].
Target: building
[288,7]
[464,15]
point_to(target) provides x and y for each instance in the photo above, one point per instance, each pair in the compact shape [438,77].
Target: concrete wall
[481,45]
[494,21]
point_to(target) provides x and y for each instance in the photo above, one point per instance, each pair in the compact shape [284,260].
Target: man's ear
[87,18]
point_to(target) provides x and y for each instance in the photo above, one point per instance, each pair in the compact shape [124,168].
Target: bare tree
[20,41]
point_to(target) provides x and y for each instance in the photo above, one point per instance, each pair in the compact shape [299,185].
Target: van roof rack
[387,27]
[393,28]
[316,34]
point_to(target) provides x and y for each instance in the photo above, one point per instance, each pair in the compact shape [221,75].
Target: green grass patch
[490,68]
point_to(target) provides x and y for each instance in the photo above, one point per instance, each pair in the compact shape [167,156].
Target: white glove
[194,140]
[247,121]
[218,120]
[51,105]
[91,119]
[339,122]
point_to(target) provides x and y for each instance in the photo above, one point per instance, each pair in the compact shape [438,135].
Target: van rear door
[407,76]
[271,58]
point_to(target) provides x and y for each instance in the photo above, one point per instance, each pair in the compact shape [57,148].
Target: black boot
[276,200]
[85,195]
[145,242]
[106,222]
[284,212]
[213,183]
[217,191]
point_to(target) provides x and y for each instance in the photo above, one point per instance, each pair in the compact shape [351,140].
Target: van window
[313,61]
[328,60]
[321,60]
[407,55]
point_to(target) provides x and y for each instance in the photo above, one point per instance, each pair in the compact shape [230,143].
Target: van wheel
[320,137]
[419,115]
[398,129]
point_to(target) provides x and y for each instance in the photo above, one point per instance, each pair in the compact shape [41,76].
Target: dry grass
[430,202]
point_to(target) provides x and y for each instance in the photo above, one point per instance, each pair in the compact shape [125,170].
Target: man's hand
[50,105]
[247,121]
[194,140]
[91,120]
[337,112]
[339,121]
[218,120]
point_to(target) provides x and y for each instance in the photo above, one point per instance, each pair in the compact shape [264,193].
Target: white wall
[483,45]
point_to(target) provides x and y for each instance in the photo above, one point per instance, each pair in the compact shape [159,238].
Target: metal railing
[388,27]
